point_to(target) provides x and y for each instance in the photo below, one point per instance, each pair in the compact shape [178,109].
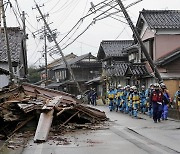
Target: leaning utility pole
[24,46]
[0,13]
[58,47]
[45,53]
[137,37]
[7,44]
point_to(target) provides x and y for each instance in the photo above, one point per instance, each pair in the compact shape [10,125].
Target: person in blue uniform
[126,95]
[166,101]
[149,105]
[177,99]
[143,106]
[135,101]
[119,97]
[94,97]
[111,97]
[130,102]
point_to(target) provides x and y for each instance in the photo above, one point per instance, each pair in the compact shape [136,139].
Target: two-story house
[159,30]
[137,72]
[54,63]
[15,37]
[84,67]
[114,59]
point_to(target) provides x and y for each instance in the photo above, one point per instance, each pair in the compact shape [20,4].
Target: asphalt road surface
[121,134]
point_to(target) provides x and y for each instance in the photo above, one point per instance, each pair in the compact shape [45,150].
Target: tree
[34,74]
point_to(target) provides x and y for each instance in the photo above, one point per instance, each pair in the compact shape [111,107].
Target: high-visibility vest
[178,98]
[111,95]
[119,94]
[136,98]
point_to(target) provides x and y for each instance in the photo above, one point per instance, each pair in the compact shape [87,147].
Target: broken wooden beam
[45,120]
[44,126]
[70,118]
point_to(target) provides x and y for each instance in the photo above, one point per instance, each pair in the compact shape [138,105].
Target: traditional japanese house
[15,37]
[84,67]
[159,30]
[114,61]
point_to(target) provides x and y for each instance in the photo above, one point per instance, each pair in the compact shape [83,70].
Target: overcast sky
[64,14]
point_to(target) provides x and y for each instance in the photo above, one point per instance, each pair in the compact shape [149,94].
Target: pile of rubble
[26,102]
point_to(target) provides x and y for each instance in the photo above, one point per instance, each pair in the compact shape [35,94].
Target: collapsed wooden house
[21,104]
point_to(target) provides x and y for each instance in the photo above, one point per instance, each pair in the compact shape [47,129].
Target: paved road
[125,135]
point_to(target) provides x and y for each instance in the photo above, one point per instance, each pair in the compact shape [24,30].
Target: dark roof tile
[138,69]
[73,61]
[162,19]
[15,39]
[118,69]
[115,48]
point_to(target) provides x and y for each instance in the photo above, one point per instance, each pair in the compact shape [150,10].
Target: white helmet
[119,86]
[156,85]
[134,88]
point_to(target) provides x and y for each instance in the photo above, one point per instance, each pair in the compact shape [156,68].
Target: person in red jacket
[156,99]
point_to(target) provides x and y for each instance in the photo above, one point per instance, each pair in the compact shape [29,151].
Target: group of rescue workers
[153,100]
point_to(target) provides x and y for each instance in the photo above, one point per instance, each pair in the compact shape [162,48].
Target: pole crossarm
[58,47]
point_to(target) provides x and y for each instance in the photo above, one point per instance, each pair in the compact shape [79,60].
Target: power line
[54,6]
[35,50]
[79,35]
[19,11]
[81,20]
[94,20]
[120,33]
[61,8]
[70,12]
[16,17]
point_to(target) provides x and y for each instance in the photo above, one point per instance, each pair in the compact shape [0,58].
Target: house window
[65,75]
[57,76]
[149,46]
[132,57]
[62,75]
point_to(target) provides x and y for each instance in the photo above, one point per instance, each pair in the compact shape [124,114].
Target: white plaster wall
[4,80]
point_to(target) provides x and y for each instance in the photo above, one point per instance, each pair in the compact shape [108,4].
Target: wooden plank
[52,103]
[70,118]
[45,121]
[21,124]
[44,126]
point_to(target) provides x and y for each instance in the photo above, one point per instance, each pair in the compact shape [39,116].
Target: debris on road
[28,102]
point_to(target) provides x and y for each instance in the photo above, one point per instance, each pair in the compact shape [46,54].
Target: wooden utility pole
[0,14]
[138,39]
[24,46]
[58,47]
[45,53]
[7,44]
